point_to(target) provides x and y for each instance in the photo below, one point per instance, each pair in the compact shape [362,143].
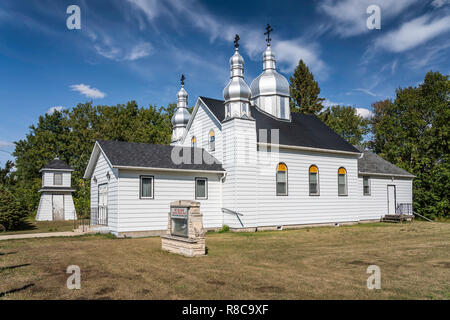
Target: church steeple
[270,90]
[237,92]
[181,116]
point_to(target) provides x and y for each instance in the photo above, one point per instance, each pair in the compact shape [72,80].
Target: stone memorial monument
[185,234]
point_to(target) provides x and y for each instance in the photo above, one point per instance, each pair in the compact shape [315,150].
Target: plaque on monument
[185,234]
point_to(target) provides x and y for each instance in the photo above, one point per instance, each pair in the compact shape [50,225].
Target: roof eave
[283,146]
[166,169]
[50,169]
[411,176]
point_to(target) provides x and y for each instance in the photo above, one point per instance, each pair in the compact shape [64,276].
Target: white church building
[249,161]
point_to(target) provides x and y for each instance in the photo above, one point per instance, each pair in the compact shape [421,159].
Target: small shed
[56,193]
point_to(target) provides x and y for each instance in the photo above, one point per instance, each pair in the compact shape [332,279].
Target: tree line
[411,131]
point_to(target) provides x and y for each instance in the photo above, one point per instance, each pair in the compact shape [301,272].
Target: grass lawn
[32,226]
[313,263]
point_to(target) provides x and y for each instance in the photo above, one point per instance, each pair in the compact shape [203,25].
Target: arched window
[342,182]
[314,181]
[212,140]
[282,179]
[194,142]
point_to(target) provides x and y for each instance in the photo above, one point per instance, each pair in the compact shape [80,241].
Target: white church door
[58,206]
[102,205]
[391,199]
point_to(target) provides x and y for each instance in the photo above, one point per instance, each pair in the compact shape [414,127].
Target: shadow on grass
[5,253]
[13,267]
[26,225]
[2,294]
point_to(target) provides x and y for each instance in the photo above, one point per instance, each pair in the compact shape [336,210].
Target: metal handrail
[422,216]
[404,208]
[237,214]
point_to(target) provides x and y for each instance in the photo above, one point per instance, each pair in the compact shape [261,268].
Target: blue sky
[137,50]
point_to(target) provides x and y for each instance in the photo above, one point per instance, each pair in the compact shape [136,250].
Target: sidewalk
[40,235]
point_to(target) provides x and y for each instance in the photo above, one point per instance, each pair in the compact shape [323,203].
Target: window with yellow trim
[313,180]
[342,182]
[194,142]
[212,140]
[281,178]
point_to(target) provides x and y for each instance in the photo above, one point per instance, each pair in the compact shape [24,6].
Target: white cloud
[139,51]
[363,112]
[432,55]
[413,33]
[440,3]
[4,144]
[87,91]
[114,50]
[348,17]
[289,52]
[53,109]
[368,92]
[329,104]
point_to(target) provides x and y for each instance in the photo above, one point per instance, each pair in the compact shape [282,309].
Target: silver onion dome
[269,82]
[236,89]
[237,92]
[181,116]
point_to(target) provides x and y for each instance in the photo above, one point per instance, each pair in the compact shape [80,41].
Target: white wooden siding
[374,206]
[239,160]
[137,214]
[69,208]
[44,212]
[298,207]
[45,209]
[201,125]
[47,179]
[102,167]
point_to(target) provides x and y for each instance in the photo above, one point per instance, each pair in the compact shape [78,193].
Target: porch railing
[99,216]
[404,208]
[81,221]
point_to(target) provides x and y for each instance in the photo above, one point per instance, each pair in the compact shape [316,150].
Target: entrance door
[58,206]
[392,203]
[103,204]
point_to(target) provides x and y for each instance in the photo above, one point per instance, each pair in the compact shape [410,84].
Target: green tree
[12,212]
[345,121]
[6,174]
[304,91]
[413,133]
[71,135]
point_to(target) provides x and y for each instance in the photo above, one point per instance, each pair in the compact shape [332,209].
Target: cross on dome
[268,31]
[236,41]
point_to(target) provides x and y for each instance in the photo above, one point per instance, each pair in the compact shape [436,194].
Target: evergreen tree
[345,121]
[413,132]
[304,91]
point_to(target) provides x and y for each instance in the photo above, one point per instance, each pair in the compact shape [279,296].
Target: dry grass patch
[32,226]
[314,263]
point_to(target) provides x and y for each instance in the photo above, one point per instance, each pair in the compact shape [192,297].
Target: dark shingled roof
[57,164]
[303,131]
[372,163]
[146,155]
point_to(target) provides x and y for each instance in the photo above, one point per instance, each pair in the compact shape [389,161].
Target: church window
[314,181]
[282,179]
